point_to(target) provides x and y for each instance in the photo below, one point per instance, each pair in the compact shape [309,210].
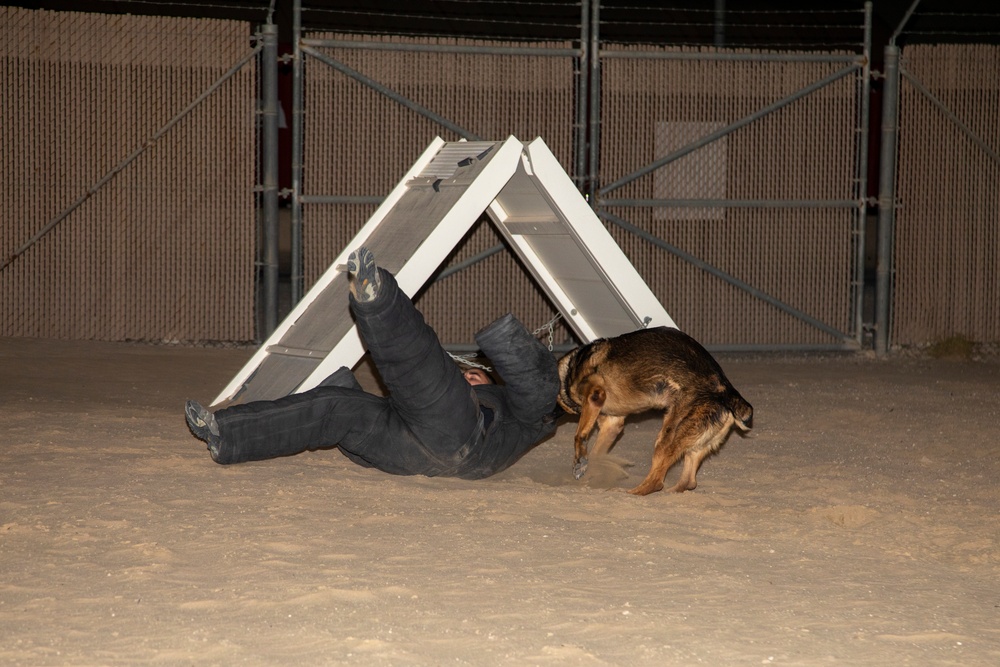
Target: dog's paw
[579,468]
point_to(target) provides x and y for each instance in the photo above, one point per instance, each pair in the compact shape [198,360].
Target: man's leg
[426,387]
[322,417]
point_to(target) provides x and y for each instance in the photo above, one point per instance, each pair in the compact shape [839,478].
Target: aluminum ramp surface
[570,253]
[532,203]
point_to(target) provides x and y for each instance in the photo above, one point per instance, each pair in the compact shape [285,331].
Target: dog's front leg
[588,418]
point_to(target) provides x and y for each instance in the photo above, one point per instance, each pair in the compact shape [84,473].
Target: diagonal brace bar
[92,190]
[391,94]
[732,280]
[475,259]
[966,130]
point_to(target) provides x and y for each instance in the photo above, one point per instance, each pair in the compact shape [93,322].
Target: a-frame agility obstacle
[532,203]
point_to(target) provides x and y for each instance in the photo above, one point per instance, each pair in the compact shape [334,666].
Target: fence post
[269,157]
[582,100]
[887,198]
[594,93]
[861,228]
[298,112]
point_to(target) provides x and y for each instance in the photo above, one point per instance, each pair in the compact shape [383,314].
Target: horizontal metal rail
[732,203]
[445,48]
[342,199]
[744,57]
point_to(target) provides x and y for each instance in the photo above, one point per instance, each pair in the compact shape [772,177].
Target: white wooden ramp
[532,203]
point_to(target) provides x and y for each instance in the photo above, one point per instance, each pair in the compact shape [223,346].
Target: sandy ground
[859,526]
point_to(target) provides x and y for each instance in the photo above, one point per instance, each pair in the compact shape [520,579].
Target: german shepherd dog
[652,369]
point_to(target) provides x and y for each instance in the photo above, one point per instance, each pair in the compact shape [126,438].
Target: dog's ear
[569,367]
[565,397]
[597,396]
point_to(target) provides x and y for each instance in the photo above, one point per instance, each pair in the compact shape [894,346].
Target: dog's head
[575,369]
[567,377]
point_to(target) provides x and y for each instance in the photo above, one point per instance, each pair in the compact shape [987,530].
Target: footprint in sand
[846,516]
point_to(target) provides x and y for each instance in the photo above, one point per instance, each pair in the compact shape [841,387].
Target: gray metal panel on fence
[161,249]
[802,254]
[947,240]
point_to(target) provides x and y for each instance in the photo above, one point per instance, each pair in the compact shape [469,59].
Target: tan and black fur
[652,369]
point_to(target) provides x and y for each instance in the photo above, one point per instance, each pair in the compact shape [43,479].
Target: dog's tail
[741,410]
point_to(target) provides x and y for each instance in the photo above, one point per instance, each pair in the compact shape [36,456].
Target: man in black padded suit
[434,421]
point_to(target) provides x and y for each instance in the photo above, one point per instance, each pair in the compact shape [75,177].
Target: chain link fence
[734,174]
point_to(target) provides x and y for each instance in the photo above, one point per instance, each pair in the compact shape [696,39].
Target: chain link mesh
[947,246]
[163,250]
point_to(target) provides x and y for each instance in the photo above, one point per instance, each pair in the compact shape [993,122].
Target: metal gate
[733,176]
[736,183]
[735,180]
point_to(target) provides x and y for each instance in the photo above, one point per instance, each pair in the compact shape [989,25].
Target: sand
[857,526]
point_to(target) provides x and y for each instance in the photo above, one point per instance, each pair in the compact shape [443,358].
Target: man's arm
[528,369]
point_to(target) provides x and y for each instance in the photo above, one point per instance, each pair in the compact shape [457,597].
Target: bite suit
[433,422]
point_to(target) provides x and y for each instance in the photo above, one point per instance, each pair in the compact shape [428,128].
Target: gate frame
[587,146]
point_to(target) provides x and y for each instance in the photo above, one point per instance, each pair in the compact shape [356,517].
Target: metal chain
[551,326]
[467,360]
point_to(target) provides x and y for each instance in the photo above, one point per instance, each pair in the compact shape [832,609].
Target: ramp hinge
[296,352]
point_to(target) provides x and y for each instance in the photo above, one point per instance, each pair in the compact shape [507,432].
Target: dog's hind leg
[609,428]
[665,455]
[688,480]
[706,436]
